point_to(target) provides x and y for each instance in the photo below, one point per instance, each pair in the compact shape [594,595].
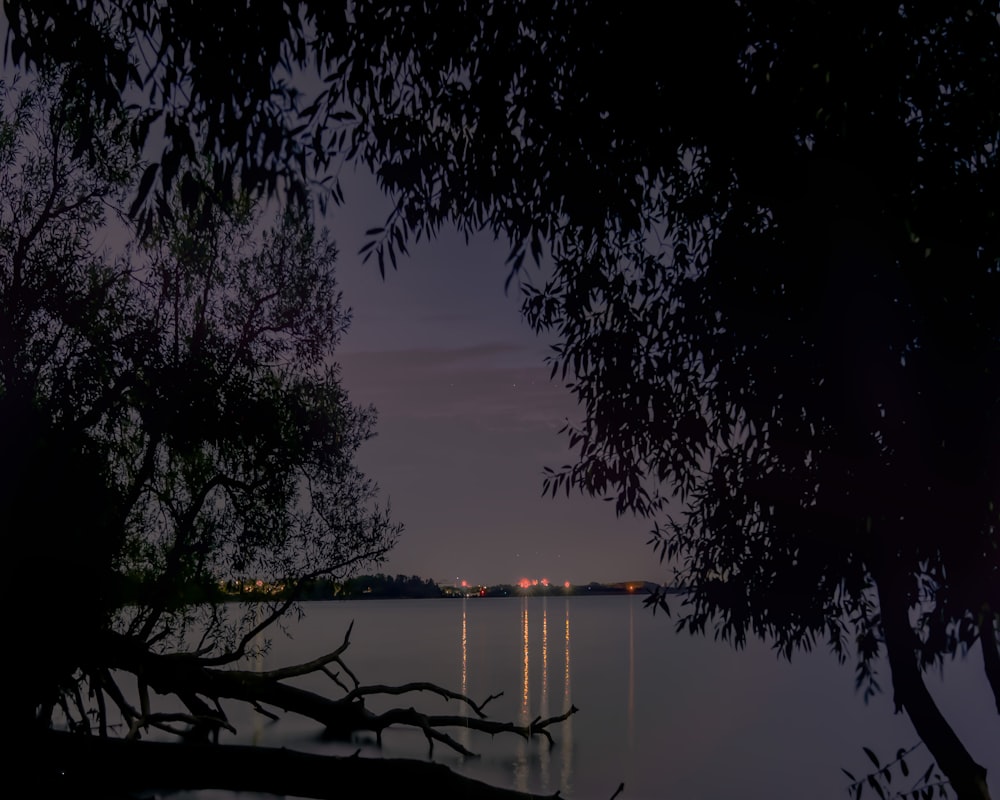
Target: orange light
[566,584]
[545,581]
[465,584]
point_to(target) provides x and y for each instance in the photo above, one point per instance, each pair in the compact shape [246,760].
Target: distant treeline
[324,589]
[378,586]
[401,586]
[387,586]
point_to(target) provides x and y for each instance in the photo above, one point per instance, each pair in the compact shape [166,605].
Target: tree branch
[361,691]
[991,651]
[185,675]
[910,693]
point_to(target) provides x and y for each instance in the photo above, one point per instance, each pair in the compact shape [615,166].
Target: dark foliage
[172,420]
[387,586]
[774,250]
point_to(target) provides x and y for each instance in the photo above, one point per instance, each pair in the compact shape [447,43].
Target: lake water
[670,715]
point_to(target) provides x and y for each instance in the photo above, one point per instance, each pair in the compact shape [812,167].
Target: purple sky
[467,417]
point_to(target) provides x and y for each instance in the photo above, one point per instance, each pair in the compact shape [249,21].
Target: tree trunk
[991,652]
[967,778]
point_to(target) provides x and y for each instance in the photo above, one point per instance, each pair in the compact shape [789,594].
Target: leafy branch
[880,779]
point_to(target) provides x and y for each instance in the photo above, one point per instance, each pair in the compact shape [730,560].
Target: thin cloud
[498,385]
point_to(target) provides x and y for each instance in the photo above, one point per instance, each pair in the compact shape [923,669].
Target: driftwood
[128,763]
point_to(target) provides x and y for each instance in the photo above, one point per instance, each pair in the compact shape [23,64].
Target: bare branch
[311,666]
[447,694]
[186,676]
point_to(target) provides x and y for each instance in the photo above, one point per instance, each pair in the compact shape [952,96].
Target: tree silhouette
[173,420]
[773,241]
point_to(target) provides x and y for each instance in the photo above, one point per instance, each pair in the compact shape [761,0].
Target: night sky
[467,416]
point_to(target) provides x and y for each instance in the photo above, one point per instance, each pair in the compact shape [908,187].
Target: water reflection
[543,710]
[567,727]
[521,767]
[526,672]
[465,649]
[464,732]
[697,696]
[631,675]
[259,644]
[535,756]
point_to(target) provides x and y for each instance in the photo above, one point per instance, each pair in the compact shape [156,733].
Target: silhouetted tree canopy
[171,413]
[171,422]
[381,585]
[772,246]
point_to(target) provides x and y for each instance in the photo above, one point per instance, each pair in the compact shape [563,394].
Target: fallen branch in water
[204,683]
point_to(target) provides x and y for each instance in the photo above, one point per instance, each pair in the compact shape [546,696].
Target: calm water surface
[673,716]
